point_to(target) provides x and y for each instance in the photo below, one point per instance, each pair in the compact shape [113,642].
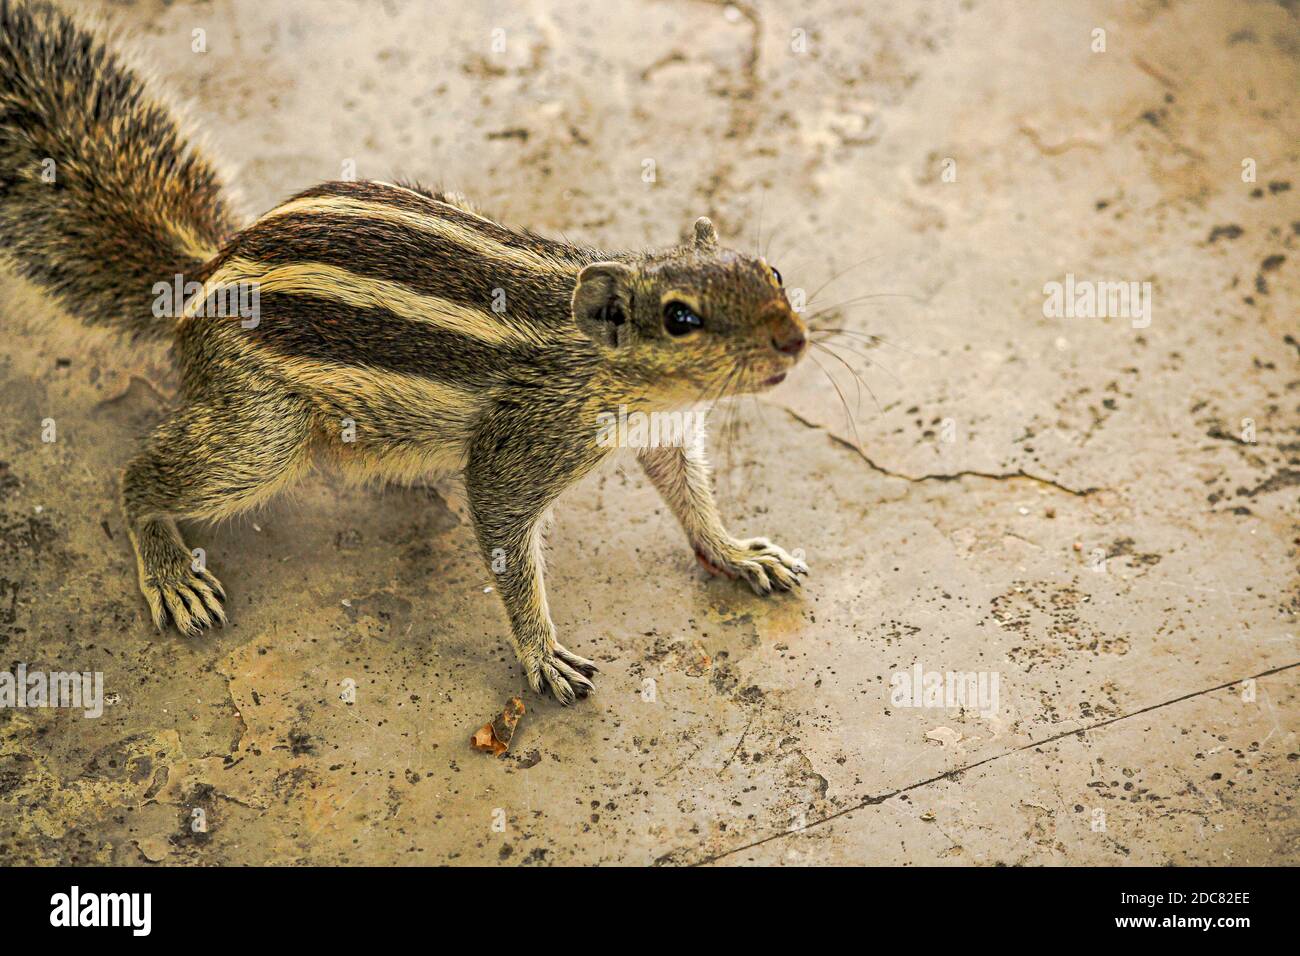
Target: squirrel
[397,331]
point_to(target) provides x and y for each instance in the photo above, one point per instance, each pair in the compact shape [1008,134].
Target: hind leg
[174,584]
[221,455]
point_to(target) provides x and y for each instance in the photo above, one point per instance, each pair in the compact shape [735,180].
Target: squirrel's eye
[679,319]
[776,274]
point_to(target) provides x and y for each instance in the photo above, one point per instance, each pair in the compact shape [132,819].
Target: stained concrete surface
[1072,504]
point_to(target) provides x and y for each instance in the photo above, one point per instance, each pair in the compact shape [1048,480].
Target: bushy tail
[100,195]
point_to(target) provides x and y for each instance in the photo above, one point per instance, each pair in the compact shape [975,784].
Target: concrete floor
[1067,503]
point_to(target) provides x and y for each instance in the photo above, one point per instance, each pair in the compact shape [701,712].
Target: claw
[764,566]
[559,686]
[191,603]
[211,581]
[563,673]
[579,664]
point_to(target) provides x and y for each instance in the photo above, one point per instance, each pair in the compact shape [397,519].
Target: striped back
[395,279]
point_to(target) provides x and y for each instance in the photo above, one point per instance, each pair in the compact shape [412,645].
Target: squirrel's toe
[191,602]
[562,673]
[580,664]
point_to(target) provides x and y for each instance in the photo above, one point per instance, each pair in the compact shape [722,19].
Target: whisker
[869,338]
[867,358]
[733,378]
[733,421]
[843,401]
[857,405]
[714,388]
[780,248]
[769,241]
[800,236]
[843,272]
[719,389]
[762,414]
[861,298]
[861,382]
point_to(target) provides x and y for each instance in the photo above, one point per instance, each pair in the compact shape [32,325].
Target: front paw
[562,672]
[761,563]
[190,599]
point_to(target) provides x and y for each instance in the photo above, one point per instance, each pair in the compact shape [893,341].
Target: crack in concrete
[683,763]
[247,804]
[1056,149]
[739,743]
[1020,473]
[958,771]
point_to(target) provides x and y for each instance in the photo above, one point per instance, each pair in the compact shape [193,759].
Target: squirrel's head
[701,320]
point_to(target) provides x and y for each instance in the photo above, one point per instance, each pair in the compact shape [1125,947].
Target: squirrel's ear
[705,234]
[602,301]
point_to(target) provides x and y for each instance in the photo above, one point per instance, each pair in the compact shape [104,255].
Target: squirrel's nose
[787,332]
[789,340]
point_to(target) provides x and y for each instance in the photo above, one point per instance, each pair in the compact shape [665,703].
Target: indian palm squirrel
[398,331]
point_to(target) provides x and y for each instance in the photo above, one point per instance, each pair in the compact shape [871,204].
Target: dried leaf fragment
[494,736]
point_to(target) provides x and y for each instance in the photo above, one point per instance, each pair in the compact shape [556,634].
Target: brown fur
[398,332]
[130,202]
